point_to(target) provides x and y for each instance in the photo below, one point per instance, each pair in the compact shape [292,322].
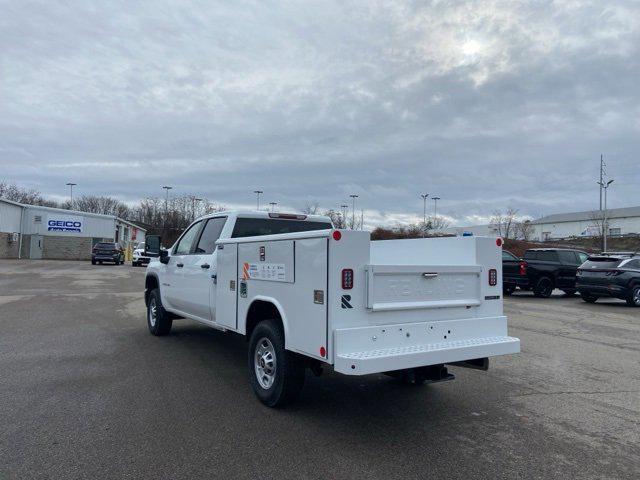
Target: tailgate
[402,287]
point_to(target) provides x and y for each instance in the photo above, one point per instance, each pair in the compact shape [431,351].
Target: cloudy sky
[486,104]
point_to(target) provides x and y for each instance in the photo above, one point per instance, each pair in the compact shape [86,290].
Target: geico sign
[64,226]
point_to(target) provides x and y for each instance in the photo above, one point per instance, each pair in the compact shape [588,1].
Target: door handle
[429,275]
[179,265]
[205,265]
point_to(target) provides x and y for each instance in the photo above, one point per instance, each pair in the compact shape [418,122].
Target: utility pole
[166,206]
[71,185]
[424,207]
[601,178]
[258,193]
[193,206]
[605,226]
[353,211]
[435,206]
[273,206]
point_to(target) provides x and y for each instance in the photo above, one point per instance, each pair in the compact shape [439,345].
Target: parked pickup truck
[514,273]
[549,268]
[308,296]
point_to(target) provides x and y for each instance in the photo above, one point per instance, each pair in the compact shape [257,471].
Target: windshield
[253,227]
[105,245]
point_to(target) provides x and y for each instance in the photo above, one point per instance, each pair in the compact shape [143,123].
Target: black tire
[158,319]
[134,264]
[508,289]
[569,292]
[283,377]
[543,288]
[589,298]
[93,262]
[633,300]
[100,262]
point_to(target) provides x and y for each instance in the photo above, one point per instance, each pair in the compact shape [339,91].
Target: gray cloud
[486,104]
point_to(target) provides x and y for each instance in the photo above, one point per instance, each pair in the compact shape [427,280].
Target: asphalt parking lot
[86,392]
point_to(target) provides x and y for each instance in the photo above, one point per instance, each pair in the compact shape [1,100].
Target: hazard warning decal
[274,272]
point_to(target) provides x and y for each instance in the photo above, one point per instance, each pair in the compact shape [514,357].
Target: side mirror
[152,246]
[164,256]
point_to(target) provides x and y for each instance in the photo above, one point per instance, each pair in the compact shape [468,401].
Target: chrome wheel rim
[264,360]
[153,312]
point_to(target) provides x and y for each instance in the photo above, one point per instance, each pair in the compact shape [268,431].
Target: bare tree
[337,219]
[102,205]
[504,224]
[22,195]
[311,208]
[524,230]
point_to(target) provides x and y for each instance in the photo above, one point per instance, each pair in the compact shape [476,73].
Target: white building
[31,231]
[621,221]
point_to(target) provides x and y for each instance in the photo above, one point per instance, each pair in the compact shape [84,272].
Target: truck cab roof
[263,214]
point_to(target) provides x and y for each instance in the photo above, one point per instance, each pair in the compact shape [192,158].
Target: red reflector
[323,352]
[523,268]
[337,235]
[347,279]
[499,242]
[493,277]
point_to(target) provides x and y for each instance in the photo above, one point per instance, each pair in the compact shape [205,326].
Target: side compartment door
[225,308]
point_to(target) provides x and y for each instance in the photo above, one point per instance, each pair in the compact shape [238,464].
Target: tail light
[523,268]
[578,273]
[347,279]
[493,277]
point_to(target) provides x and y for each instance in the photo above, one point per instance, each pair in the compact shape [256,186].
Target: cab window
[210,233]
[185,244]
[508,256]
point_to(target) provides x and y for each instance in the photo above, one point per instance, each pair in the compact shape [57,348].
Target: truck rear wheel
[276,374]
[158,319]
[543,288]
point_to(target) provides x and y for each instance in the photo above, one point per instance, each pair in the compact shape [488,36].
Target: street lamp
[435,206]
[71,185]
[353,212]
[273,206]
[424,207]
[258,193]
[605,227]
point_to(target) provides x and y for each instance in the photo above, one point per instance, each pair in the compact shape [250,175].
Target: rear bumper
[616,291]
[385,348]
[517,281]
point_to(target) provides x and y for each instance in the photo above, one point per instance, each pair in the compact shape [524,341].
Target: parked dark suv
[616,276]
[549,268]
[107,252]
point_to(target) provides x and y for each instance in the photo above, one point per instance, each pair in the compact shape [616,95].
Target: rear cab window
[253,227]
[508,256]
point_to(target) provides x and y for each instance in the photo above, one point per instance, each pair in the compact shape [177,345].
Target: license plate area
[401,287]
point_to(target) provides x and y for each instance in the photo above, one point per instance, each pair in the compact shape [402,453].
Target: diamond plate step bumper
[411,356]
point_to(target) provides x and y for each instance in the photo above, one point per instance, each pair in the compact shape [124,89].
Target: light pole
[605,187]
[435,206]
[258,193]
[344,208]
[424,207]
[71,185]
[353,212]
[273,206]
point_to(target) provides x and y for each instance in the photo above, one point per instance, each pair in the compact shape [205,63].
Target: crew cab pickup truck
[514,273]
[308,296]
[549,268]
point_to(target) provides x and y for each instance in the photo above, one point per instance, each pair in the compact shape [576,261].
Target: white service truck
[307,295]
